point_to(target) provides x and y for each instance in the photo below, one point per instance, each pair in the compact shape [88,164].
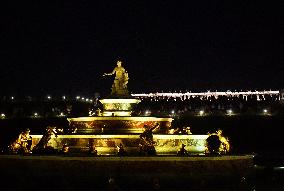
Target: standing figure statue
[119,86]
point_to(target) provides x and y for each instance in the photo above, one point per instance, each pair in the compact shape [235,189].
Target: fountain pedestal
[118,107]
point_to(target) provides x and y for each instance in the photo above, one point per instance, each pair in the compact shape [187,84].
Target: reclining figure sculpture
[42,146]
[147,144]
[22,145]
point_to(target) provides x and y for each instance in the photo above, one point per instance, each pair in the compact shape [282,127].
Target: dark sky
[65,47]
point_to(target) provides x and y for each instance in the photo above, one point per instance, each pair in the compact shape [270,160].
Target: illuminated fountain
[117,126]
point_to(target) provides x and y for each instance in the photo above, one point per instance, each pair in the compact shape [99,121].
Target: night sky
[64,48]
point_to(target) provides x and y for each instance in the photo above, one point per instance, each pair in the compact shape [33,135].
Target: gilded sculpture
[147,143]
[22,144]
[119,86]
[42,146]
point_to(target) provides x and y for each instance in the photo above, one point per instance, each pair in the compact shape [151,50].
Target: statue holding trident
[119,86]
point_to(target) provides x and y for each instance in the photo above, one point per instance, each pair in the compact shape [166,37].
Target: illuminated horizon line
[208,93]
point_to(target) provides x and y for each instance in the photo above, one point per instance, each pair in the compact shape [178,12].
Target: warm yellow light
[201,112]
[117,113]
[155,136]
[225,145]
[119,101]
[171,131]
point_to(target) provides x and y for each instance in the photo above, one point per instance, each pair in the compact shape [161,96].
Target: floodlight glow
[61,114]
[63,97]
[147,112]
[201,112]
[265,111]
[279,168]
[35,114]
[91,100]
[12,97]
[78,97]
[173,111]
[230,112]
[3,115]
[48,97]
[117,113]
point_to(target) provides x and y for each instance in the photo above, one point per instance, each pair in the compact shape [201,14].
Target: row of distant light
[208,93]
[77,98]
[202,112]
[84,99]
[34,115]
[64,98]
[231,112]
[147,112]
[37,115]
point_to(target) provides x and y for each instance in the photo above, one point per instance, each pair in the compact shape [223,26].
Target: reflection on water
[263,179]
[89,173]
[268,178]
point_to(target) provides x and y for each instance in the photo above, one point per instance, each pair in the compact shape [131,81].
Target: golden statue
[21,144]
[119,86]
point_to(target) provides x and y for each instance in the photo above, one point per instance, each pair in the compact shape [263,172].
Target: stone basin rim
[129,158]
[119,118]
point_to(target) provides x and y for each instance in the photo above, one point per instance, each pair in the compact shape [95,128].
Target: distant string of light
[207,94]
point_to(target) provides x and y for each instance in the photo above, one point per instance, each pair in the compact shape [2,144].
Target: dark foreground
[136,173]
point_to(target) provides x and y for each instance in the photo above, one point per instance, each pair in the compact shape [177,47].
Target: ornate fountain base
[118,125]
[108,144]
